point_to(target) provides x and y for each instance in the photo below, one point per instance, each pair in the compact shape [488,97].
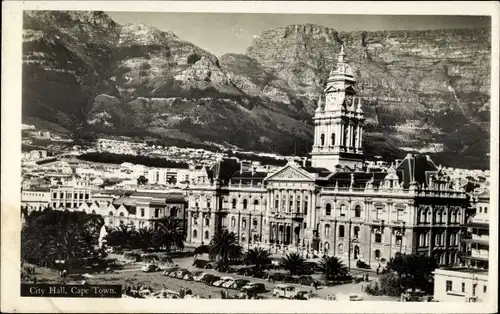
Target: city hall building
[334,204]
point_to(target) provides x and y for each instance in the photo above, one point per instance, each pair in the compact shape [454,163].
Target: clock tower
[338,121]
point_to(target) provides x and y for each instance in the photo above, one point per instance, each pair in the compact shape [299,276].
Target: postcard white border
[11,144]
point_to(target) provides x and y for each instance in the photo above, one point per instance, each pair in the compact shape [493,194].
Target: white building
[35,199]
[461,284]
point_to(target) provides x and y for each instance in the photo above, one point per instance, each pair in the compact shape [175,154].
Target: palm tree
[258,257]
[169,233]
[225,246]
[121,236]
[71,244]
[294,263]
[145,238]
[333,268]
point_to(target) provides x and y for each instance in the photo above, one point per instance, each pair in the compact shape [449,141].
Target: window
[449,285]
[378,237]
[234,203]
[328,211]
[54,195]
[207,221]
[305,225]
[75,195]
[378,212]
[341,231]
[244,223]
[276,203]
[437,239]
[195,234]
[357,211]
[342,210]
[377,254]
[322,140]
[297,206]
[255,223]
[245,204]
[327,230]
[474,286]
[399,238]
[341,248]
[206,234]
[195,219]
[291,203]
[356,232]
[452,239]
[485,287]
[157,212]
[86,196]
[142,212]
[121,214]
[233,221]
[333,139]
[305,206]
[255,203]
[209,205]
[463,286]
[196,204]
[486,210]
[110,213]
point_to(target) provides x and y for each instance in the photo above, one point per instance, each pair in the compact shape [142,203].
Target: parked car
[191,276]
[289,279]
[285,291]
[231,270]
[149,268]
[200,277]
[242,271]
[348,297]
[181,273]
[199,263]
[276,276]
[254,287]
[308,281]
[239,283]
[259,274]
[302,295]
[228,283]
[219,283]
[211,279]
[170,270]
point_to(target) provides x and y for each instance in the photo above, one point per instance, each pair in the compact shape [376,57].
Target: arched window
[437,239]
[453,216]
[233,221]
[422,216]
[206,235]
[422,240]
[399,238]
[245,204]
[195,234]
[342,210]
[256,202]
[242,237]
[322,140]
[356,232]
[111,213]
[121,214]
[277,201]
[457,238]
[173,212]
[326,247]
[244,223]
[341,248]
[458,216]
[207,221]
[254,223]
[439,216]
[333,139]
[327,230]
[234,203]
[378,237]
[341,231]
[328,210]
[452,239]
[427,240]
[357,211]
[377,254]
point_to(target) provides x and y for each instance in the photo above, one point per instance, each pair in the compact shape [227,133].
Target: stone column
[312,208]
[190,229]
[337,136]
[301,205]
[212,224]
[341,135]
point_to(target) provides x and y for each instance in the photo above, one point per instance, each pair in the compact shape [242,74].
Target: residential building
[461,284]
[35,199]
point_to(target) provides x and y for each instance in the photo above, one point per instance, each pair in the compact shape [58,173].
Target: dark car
[243,271]
[199,263]
[211,279]
[289,279]
[239,283]
[254,287]
[276,277]
[307,281]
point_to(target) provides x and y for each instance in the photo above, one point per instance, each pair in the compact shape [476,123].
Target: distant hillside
[83,73]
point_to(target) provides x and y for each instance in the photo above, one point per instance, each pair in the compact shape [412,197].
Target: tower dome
[342,70]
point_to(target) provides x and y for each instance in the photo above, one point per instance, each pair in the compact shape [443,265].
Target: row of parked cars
[305,280]
[243,285]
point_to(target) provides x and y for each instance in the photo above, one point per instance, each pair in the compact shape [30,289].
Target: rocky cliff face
[83,71]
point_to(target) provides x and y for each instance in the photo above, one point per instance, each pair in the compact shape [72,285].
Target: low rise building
[461,284]
[35,199]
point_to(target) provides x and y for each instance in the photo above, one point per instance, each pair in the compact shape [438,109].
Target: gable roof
[292,171]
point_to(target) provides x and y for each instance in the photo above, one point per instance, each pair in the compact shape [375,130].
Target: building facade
[335,205]
[35,199]
[475,240]
[461,284]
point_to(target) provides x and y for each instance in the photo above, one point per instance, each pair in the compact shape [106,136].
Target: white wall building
[461,284]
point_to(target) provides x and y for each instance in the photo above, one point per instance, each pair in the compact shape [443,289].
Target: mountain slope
[86,73]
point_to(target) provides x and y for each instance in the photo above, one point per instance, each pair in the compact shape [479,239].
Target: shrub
[390,284]
[373,288]
[361,264]
[193,58]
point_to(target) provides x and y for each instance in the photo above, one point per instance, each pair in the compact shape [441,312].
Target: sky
[221,33]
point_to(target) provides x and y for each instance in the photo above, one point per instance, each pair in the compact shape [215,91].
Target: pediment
[291,173]
[331,89]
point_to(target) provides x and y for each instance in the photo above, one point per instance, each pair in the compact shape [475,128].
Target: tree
[294,263]
[413,270]
[122,236]
[390,284]
[142,180]
[224,245]
[333,268]
[144,238]
[169,234]
[258,257]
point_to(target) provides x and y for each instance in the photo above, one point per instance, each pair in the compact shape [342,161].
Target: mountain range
[84,74]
